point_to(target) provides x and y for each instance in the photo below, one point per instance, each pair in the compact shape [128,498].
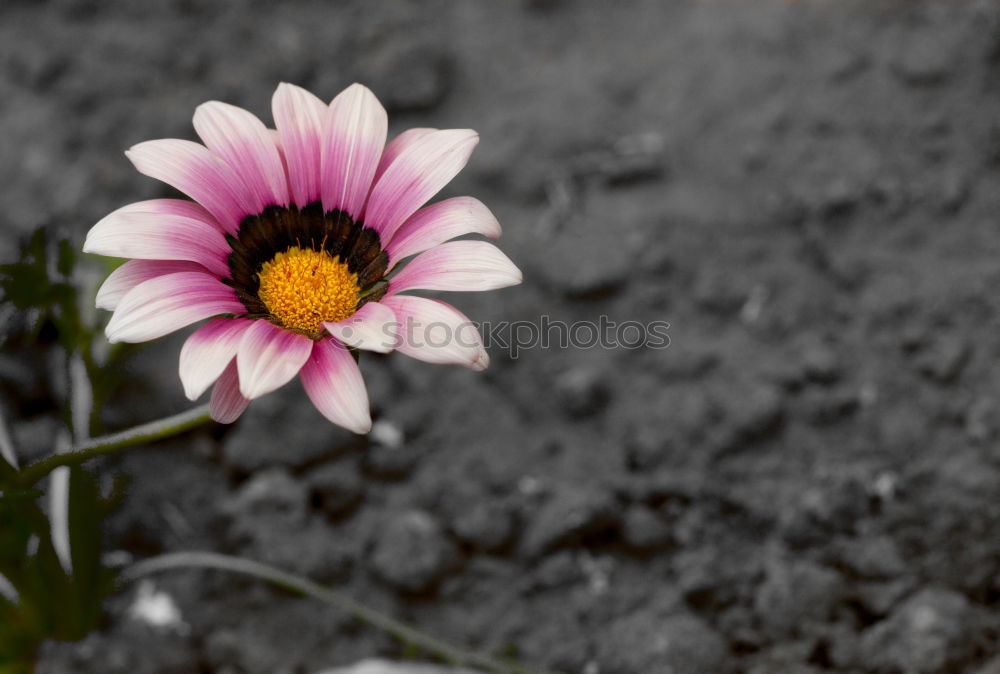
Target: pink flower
[294,248]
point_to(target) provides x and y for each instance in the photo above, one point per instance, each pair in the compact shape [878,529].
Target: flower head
[297,246]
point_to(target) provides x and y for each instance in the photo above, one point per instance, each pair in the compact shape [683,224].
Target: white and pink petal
[372,328]
[227,403]
[167,303]
[457,265]
[134,272]
[436,332]
[158,230]
[299,116]
[333,381]
[208,351]
[419,172]
[354,133]
[194,170]
[240,139]
[396,146]
[440,222]
[269,357]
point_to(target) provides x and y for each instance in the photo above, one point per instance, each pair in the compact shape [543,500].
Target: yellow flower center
[303,288]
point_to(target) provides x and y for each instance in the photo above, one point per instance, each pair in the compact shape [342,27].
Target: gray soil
[805,481]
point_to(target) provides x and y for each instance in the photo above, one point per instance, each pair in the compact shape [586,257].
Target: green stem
[410,635]
[108,444]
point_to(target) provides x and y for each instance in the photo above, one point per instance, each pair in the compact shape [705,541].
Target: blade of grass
[405,633]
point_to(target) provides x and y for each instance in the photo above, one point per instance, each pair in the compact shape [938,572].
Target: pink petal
[299,116]
[208,351]
[436,332]
[457,265]
[372,327]
[437,223]
[354,134]
[269,357]
[334,383]
[134,272]
[420,170]
[148,231]
[396,146]
[167,303]
[198,173]
[227,403]
[242,141]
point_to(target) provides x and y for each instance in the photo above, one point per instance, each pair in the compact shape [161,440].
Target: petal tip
[481,362]
[362,428]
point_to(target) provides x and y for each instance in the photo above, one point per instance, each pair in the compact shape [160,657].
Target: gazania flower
[296,248]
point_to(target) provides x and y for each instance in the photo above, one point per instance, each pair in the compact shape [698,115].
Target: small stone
[954,191]
[740,627]
[878,598]
[582,392]
[981,419]
[945,360]
[875,557]
[823,407]
[840,198]
[642,643]
[559,569]
[936,630]
[645,448]
[824,510]
[336,488]
[387,433]
[412,552]
[273,494]
[635,159]
[312,549]
[753,413]
[846,65]
[270,521]
[486,525]
[644,530]
[925,59]
[794,593]
[717,292]
[820,364]
[570,514]
[389,463]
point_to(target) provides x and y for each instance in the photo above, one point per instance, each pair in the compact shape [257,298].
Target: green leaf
[42,278]
[25,283]
[66,259]
[85,514]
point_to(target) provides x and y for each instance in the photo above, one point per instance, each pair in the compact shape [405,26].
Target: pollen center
[303,288]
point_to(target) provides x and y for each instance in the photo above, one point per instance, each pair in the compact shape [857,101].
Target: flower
[297,246]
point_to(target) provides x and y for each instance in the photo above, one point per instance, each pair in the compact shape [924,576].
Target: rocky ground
[806,481]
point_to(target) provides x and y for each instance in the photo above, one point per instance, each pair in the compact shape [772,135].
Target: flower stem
[410,635]
[108,444]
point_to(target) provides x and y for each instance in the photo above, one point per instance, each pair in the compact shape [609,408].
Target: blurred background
[805,481]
